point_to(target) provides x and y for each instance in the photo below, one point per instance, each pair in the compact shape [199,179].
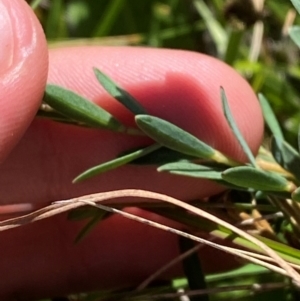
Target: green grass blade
[257,179]
[235,129]
[218,34]
[96,170]
[192,269]
[286,156]
[114,7]
[35,4]
[294,33]
[296,4]
[55,26]
[232,49]
[173,137]
[80,109]
[288,253]
[270,117]
[119,94]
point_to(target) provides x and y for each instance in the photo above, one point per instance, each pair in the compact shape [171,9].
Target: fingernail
[6,38]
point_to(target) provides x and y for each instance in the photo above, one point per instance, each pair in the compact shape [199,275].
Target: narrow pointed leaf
[257,179]
[270,117]
[80,109]
[189,169]
[296,4]
[96,170]
[173,137]
[286,156]
[91,224]
[235,129]
[294,33]
[119,94]
[161,156]
[276,149]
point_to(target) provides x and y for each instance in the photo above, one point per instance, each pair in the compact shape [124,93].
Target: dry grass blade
[229,250]
[63,206]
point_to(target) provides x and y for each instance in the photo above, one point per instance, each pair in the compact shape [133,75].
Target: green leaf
[161,156]
[216,30]
[55,26]
[109,17]
[294,33]
[296,195]
[96,170]
[56,116]
[193,170]
[98,217]
[34,4]
[119,94]
[257,179]
[286,156]
[270,117]
[235,129]
[296,4]
[80,109]
[233,46]
[173,137]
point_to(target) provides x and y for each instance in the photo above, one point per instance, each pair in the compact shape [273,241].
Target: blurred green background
[250,35]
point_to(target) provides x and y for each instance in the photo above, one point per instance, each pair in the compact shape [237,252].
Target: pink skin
[23,60]
[183,87]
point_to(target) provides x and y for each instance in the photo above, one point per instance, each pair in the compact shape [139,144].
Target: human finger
[179,86]
[24,65]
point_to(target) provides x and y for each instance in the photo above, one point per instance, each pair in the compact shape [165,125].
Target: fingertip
[180,86]
[24,66]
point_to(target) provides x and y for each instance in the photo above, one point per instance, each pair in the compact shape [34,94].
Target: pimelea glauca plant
[267,186]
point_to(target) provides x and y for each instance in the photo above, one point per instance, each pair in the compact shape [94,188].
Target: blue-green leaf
[270,117]
[91,224]
[294,33]
[173,137]
[80,109]
[257,179]
[161,156]
[96,170]
[296,4]
[119,94]
[189,169]
[235,129]
[286,156]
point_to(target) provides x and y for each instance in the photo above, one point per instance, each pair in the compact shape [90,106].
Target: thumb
[23,70]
